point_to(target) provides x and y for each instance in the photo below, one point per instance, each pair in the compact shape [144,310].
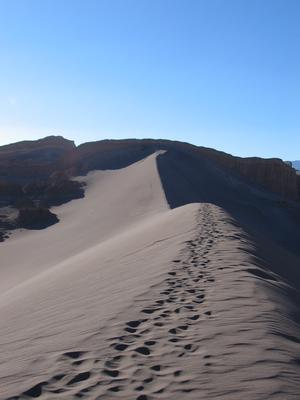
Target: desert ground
[163,282]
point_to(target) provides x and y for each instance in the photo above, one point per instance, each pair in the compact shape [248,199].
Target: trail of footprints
[134,369]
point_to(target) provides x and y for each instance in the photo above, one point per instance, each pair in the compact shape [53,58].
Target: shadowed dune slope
[169,280]
[191,180]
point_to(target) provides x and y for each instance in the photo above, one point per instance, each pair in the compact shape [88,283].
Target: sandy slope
[126,298]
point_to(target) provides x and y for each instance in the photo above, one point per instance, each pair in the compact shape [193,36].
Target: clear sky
[218,73]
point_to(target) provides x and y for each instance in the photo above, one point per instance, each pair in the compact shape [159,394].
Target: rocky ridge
[35,175]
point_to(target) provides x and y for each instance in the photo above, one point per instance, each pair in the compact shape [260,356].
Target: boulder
[36,218]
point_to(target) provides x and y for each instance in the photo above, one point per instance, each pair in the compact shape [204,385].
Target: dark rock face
[272,174]
[53,192]
[32,179]
[36,218]
[9,192]
[22,161]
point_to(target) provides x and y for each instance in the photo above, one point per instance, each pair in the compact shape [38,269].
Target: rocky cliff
[33,160]
[271,174]
[32,179]
[37,174]
[53,160]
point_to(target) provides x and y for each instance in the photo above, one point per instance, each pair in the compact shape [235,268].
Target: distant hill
[36,175]
[296,164]
[55,158]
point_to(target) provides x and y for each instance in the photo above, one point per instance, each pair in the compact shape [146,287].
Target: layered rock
[272,174]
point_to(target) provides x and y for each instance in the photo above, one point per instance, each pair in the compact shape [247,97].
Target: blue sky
[217,73]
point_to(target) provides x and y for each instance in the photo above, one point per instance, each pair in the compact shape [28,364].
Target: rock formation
[39,173]
[35,218]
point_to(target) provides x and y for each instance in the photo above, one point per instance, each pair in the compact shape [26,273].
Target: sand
[131,297]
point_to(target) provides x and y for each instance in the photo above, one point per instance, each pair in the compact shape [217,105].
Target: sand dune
[162,283]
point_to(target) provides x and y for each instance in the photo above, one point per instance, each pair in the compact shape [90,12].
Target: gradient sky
[218,73]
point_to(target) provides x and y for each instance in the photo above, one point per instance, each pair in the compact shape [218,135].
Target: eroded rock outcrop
[271,174]
[35,218]
[32,160]
[32,179]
